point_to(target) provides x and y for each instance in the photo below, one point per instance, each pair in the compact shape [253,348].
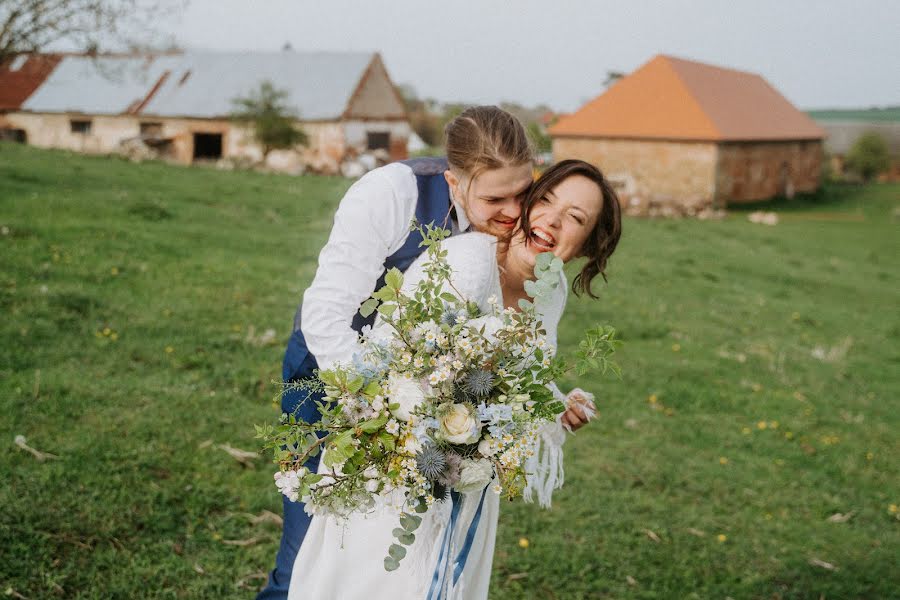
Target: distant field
[749,451]
[887,114]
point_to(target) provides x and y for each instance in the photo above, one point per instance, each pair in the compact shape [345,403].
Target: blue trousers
[298,363]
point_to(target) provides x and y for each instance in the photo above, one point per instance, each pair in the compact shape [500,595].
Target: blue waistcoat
[432,206]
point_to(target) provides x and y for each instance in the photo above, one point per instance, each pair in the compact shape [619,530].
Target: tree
[273,123]
[36,25]
[869,155]
[612,77]
[421,118]
[541,140]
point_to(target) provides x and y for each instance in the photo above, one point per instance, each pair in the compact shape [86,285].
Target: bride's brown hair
[602,241]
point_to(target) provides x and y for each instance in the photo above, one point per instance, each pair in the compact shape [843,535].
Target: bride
[573,212]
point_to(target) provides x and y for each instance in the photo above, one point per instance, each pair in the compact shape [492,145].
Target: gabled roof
[102,85]
[203,84]
[320,85]
[675,99]
[21,75]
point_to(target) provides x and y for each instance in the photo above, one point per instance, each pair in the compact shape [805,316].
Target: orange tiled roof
[16,86]
[676,99]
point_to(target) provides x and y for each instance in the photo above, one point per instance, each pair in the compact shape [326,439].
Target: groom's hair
[602,241]
[482,138]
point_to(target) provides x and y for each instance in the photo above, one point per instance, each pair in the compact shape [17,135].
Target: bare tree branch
[36,25]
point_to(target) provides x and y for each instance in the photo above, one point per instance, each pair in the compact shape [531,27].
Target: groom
[371,234]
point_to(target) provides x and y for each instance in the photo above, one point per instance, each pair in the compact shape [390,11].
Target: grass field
[761,370]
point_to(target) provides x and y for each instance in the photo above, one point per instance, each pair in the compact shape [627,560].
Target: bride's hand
[580,409]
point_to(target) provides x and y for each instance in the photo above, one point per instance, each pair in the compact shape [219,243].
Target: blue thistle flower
[449,316]
[478,382]
[431,462]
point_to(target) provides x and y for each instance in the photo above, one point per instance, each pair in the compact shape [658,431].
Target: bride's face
[560,223]
[493,200]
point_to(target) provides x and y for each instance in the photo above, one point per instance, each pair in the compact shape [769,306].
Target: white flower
[474,475]
[378,403]
[487,447]
[406,392]
[372,485]
[371,472]
[392,427]
[459,425]
[411,444]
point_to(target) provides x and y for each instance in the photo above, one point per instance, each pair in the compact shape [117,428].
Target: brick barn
[179,104]
[678,136]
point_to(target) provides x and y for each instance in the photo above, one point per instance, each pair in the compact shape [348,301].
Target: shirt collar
[461,220]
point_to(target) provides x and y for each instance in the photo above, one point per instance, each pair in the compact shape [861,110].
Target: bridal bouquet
[443,397]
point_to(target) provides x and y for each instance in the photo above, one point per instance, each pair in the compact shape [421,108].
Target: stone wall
[753,171]
[327,142]
[659,177]
[54,131]
[651,177]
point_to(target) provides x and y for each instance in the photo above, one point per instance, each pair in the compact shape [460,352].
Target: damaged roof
[200,84]
[21,75]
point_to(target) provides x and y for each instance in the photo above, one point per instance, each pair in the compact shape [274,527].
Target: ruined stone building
[679,133]
[179,104]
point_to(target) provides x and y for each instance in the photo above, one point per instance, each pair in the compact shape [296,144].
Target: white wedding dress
[344,561]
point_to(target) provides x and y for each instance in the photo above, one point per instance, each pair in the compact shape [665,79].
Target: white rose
[459,426]
[474,475]
[372,485]
[407,393]
[486,447]
[491,326]
[371,472]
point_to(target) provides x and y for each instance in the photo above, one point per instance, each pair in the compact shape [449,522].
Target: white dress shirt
[371,223]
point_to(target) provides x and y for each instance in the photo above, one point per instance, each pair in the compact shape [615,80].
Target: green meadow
[750,449]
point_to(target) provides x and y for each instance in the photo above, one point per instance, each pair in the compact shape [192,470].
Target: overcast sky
[824,53]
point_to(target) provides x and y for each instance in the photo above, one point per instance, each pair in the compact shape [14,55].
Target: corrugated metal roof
[200,84]
[319,84]
[672,98]
[105,85]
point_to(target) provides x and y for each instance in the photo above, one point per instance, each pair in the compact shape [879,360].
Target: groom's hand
[580,410]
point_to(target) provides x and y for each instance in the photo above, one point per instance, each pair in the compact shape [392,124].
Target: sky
[819,54]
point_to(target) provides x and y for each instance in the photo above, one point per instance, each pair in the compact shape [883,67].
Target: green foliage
[539,137]
[142,499]
[267,112]
[869,156]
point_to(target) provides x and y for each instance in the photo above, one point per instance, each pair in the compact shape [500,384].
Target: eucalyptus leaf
[391,564]
[543,260]
[556,265]
[397,552]
[410,522]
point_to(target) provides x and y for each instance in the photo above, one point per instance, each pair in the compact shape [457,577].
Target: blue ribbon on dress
[438,590]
